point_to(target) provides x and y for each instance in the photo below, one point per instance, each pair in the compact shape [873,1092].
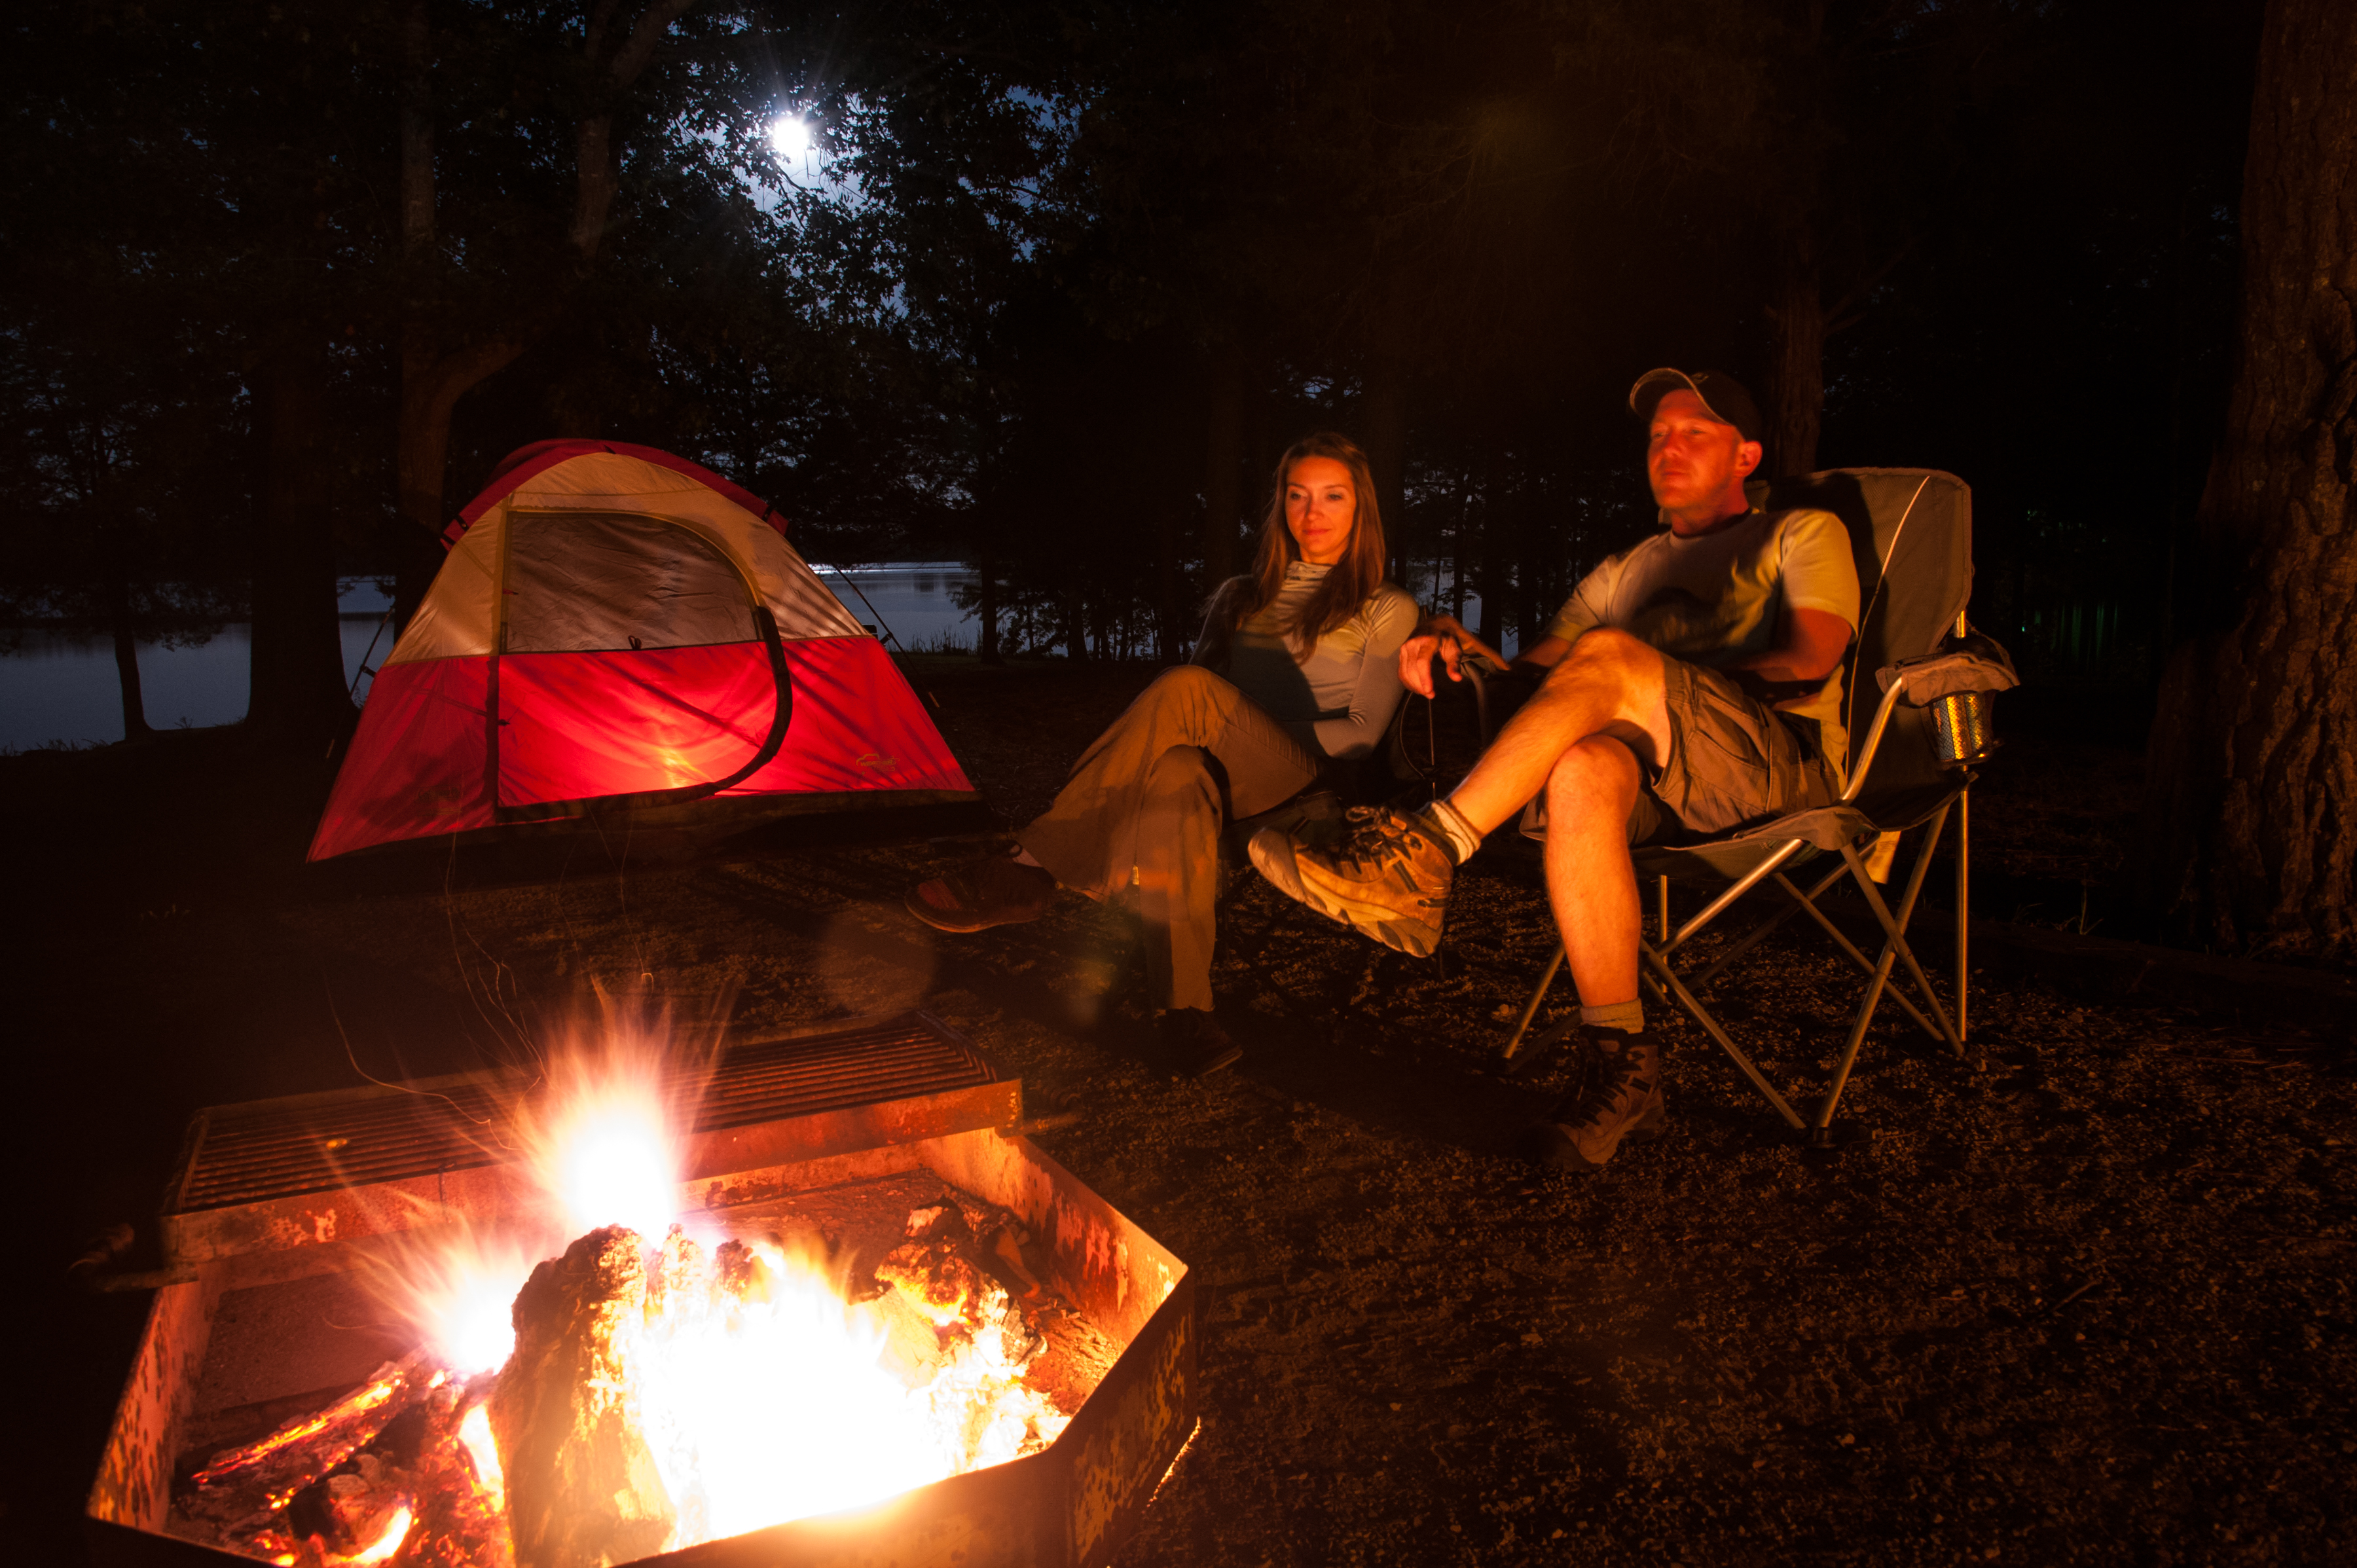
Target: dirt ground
[2089,1304]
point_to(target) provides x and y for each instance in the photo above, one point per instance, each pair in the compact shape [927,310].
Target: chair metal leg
[1767,927]
[1896,928]
[1894,948]
[1531,1008]
[1701,1014]
[1735,889]
[1963,907]
[1856,956]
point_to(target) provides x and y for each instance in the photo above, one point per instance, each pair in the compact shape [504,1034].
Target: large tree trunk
[432,381]
[298,688]
[1796,368]
[2252,797]
[434,375]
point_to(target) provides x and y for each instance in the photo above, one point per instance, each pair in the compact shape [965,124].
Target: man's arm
[1447,637]
[1808,646]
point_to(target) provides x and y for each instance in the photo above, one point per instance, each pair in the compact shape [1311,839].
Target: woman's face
[1320,505]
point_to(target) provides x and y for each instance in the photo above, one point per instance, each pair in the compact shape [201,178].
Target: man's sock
[1448,824]
[1629,1016]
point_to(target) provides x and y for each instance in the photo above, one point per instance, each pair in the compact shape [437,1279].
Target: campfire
[609,1376]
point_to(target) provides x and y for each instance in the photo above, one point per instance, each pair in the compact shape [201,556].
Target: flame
[762,1395]
[396,1530]
[732,1403]
[483,1454]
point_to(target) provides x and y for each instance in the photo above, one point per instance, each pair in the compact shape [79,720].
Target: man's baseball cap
[1721,394]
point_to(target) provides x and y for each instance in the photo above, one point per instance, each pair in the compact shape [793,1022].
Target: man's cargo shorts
[1734,762]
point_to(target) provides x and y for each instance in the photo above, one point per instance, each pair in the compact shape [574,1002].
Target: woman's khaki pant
[1150,796]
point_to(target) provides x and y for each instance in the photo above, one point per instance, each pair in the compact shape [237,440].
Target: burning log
[582,1485]
[240,1497]
[460,1513]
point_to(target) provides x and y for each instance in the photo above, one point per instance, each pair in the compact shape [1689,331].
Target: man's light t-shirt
[1718,597]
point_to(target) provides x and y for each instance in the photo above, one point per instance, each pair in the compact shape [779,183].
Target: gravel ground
[2090,1304]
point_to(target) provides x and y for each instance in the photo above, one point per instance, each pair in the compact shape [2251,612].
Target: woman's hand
[1447,635]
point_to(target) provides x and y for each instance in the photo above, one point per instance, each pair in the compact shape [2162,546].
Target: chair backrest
[1910,534]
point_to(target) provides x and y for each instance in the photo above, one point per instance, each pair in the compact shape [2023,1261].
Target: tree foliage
[1068,273]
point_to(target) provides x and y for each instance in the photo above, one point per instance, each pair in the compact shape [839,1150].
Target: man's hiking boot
[1387,877]
[996,890]
[1620,1099]
[1194,1045]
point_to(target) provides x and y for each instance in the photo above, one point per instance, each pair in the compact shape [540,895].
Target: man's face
[1691,457]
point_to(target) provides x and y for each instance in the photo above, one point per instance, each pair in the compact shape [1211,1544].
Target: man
[1690,686]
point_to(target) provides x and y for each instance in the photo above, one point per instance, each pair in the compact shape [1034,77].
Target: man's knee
[1606,652]
[1599,774]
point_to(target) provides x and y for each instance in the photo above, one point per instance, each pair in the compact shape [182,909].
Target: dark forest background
[285,280]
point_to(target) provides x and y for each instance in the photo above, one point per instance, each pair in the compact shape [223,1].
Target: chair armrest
[1974,663]
[1895,683]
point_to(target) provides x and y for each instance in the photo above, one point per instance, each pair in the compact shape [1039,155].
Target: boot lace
[1377,837]
[1608,1076]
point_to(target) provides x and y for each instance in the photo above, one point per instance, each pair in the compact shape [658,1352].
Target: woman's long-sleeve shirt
[1336,700]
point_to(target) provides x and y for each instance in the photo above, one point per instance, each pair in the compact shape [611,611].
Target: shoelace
[1613,1072]
[1372,839]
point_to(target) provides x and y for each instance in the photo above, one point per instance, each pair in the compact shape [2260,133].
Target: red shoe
[996,890]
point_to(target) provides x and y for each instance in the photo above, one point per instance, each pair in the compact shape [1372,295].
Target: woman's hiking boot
[996,890]
[1193,1045]
[1387,877]
[1619,1100]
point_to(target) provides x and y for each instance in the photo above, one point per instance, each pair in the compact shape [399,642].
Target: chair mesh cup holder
[1960,728]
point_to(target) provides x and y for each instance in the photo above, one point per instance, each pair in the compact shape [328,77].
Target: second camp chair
[1926,686]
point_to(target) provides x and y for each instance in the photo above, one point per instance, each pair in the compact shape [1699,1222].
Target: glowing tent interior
[620,638]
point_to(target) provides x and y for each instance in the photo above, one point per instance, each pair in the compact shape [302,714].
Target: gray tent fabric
[579,581]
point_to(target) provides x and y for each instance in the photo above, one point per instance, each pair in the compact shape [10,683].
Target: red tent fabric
[617,632]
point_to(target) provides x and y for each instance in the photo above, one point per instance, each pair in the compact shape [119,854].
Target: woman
[1298,665]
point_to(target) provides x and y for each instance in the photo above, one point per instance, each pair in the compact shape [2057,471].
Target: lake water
[63,690]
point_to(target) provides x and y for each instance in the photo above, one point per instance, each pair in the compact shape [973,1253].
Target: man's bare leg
[1593,888]
[1390,877]
[1609,684]
[1590,882]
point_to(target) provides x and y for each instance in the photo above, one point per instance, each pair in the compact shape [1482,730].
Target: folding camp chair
[1910,766]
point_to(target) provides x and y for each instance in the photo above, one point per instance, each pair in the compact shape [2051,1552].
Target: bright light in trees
[790,138]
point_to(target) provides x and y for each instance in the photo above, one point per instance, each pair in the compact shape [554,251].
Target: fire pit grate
[239,1154]
[764,1080]
[247,1153]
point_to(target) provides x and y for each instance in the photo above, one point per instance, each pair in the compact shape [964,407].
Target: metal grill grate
[251,1154]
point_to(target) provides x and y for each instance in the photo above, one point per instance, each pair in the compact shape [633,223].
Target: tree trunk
[126,660]
[986,609]
[1076,639]
[1796,370]
[296,683]
[432,381]
[2252,792]
[1223,467]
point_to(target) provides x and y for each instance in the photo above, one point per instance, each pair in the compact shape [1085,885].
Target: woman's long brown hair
[1354,578]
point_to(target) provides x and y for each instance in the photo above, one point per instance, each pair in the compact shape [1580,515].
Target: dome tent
[619,637]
